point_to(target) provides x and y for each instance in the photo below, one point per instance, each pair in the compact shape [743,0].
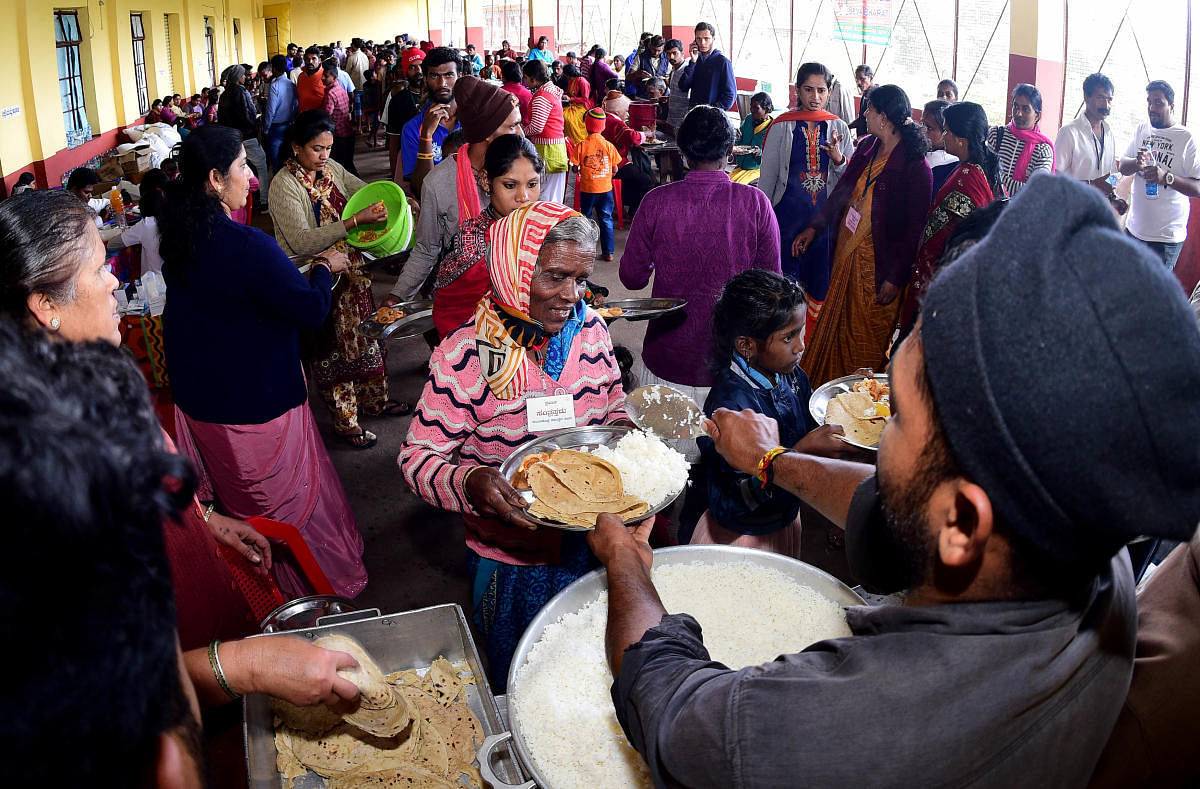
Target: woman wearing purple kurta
[694,235]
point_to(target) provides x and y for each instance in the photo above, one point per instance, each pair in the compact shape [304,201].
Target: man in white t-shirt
[1085,148]
[1163,156]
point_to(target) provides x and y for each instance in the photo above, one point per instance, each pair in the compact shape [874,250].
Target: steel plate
[831,389]
[644,309]
[418,321]
[588,437]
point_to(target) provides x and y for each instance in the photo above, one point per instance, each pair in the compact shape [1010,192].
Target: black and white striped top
[1008,148]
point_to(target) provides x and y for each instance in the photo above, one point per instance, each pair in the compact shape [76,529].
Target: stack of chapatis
[435,744]
[575,487]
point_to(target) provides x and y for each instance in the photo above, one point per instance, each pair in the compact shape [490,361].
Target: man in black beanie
[1044,415]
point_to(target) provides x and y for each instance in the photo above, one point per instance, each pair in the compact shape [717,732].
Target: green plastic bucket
[398,233]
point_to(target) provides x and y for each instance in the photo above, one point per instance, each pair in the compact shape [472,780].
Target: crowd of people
[1042,356]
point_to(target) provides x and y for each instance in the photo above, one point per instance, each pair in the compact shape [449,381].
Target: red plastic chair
[261,592]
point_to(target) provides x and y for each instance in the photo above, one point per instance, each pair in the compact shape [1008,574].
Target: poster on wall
[863,21]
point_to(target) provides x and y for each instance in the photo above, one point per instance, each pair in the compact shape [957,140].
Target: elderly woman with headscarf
[453,191]
[310,192]
[533,339]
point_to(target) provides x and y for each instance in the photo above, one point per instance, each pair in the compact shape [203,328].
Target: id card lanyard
[854,212]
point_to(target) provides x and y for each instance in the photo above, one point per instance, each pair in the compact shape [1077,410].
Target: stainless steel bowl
[585,590]
[581,438]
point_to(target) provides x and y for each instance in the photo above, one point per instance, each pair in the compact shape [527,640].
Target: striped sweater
[459,423]
[1008,148]
[546,125]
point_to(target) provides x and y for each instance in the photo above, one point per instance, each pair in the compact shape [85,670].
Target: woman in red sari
[974,184]
[512,173]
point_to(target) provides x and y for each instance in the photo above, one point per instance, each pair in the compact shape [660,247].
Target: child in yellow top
[597,160]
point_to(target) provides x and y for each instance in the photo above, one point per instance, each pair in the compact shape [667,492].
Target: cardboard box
[110,169]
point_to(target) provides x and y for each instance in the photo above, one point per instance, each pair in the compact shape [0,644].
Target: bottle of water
[1151,187]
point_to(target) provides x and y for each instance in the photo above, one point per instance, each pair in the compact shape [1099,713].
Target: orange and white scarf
[503,329]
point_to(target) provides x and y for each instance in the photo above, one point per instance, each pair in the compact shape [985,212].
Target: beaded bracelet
[764,474]
[214,662]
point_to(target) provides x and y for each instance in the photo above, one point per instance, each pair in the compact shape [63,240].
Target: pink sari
[280,470]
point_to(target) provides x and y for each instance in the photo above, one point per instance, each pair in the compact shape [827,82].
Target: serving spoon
[664,411]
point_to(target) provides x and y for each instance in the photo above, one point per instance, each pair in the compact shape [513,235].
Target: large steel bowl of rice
[564,727]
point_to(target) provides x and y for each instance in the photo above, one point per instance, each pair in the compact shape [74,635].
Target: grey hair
[44,242]
[576,229]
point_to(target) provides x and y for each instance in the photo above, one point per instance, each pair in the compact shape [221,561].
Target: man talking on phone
[709,75]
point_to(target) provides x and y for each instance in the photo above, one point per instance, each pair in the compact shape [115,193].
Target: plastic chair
[261,592]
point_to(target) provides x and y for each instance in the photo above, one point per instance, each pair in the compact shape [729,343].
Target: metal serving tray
[408,640]
[588,437]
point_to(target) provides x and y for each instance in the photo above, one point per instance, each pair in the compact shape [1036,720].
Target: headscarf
[580,92]
[504,332]
[1030,137]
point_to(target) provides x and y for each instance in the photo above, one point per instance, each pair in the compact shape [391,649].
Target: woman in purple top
[694,235]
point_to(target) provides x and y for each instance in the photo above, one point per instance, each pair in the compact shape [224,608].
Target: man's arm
[425,252]
[825,484]
[633,603]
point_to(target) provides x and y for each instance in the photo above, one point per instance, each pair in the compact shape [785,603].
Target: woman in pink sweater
[533,337]
[546,129]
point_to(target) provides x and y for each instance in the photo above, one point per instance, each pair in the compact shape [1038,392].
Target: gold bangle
[424,157]
[208,511]
[214,663]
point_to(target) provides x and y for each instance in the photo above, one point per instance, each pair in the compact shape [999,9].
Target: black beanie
[1065,366]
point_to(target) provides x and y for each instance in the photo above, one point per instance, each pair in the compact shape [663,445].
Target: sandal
[363,439]
[393,408]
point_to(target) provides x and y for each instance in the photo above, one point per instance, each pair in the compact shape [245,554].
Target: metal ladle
[666,412]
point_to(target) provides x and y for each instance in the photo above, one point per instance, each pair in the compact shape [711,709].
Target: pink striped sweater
[546,125]
[459,423]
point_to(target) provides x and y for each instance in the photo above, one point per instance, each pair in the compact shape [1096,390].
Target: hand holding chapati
[493,497]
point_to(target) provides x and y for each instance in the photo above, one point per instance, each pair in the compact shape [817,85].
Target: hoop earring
[55,323]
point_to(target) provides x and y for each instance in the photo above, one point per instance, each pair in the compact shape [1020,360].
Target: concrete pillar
[473,14]
[543,19]
[679,18]
[1035,55]
[435,16]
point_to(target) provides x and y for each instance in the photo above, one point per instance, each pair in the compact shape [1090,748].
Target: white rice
[561,693]
[649,468]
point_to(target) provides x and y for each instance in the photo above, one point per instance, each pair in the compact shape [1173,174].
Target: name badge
[853,217]
[549,413]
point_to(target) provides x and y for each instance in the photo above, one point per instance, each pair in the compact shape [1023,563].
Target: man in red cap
[403,104]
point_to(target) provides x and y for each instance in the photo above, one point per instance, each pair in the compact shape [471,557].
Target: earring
[55,323]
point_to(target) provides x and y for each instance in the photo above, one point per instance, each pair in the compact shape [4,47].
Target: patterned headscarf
[503,329]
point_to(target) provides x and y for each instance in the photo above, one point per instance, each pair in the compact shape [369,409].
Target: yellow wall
[322,21]
[37,131]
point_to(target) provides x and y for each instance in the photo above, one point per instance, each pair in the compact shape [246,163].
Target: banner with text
[863,21]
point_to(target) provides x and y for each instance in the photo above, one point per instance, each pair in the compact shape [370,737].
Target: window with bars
[210,53]
[68,41]
[139,62]
[271,25]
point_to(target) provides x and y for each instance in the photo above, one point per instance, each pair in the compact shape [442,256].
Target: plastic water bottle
[117,203]
[1151,188]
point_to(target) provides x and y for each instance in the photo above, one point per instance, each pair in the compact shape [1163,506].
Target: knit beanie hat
[594,120]
[410,56]
[482,107]
[1064,364]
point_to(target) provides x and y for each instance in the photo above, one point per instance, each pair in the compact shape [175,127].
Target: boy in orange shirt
[596,160]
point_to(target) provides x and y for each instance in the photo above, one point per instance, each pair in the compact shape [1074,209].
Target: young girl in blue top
[758,330]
